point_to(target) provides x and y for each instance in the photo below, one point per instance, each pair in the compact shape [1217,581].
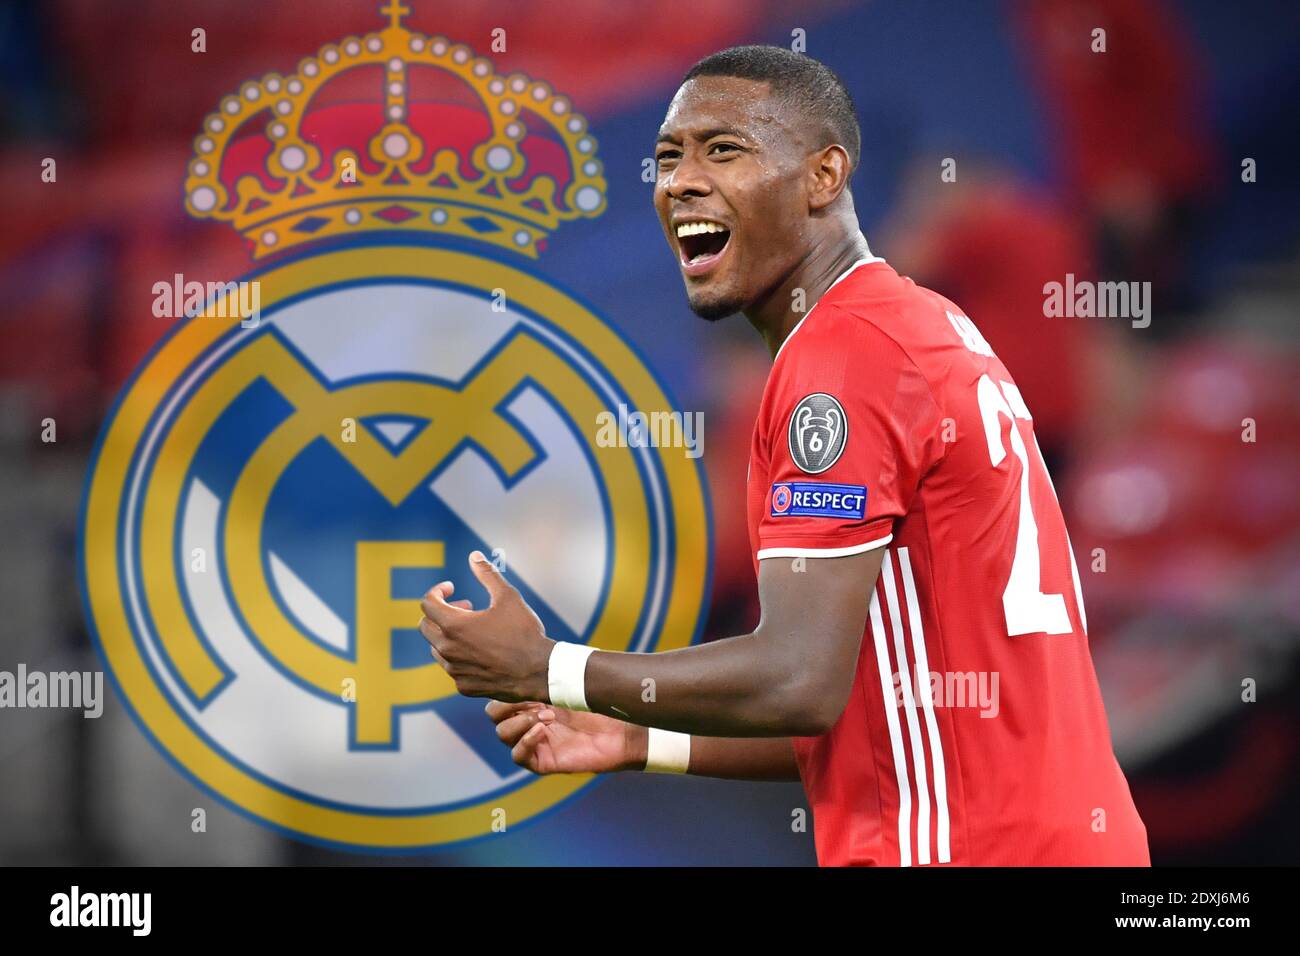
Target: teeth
[698,228]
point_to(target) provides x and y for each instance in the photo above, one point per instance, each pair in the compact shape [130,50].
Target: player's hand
[501,651]
[548,739]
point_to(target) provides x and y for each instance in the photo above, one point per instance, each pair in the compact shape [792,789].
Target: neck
[775,316]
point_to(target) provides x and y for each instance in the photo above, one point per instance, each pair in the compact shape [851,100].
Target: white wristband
[667,751]
[566,675]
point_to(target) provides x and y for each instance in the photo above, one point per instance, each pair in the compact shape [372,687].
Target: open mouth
[701,244]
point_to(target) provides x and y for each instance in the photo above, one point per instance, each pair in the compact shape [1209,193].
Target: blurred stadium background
[1122,166]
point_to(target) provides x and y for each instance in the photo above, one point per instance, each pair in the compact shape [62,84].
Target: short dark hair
[810,86]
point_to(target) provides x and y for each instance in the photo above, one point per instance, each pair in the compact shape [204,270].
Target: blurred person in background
[991,242]
[1133,150]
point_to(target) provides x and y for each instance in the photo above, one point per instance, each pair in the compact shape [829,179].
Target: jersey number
[1028,609]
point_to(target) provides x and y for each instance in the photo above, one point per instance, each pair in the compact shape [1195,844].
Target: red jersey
[975,731]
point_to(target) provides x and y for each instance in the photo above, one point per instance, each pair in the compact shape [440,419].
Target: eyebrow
[704,134]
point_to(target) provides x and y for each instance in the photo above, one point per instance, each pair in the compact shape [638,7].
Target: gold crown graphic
[293,185]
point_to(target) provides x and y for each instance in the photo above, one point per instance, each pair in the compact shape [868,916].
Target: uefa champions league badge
[269,500]
[818,433]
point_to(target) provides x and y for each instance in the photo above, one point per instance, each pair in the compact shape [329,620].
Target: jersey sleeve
[850,429]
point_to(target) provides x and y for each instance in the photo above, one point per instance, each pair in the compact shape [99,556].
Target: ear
[829,171]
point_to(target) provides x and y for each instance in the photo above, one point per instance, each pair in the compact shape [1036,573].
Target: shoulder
[873,306]
[854,349]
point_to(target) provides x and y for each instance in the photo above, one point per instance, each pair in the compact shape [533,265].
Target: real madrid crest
[268,502]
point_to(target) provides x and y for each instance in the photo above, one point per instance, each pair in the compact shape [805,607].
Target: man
[921,662]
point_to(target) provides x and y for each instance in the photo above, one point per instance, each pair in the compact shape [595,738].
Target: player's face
[730,191]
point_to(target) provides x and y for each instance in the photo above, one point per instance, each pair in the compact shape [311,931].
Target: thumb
[488,576]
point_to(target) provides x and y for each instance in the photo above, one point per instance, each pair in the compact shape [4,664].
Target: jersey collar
[865,260]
